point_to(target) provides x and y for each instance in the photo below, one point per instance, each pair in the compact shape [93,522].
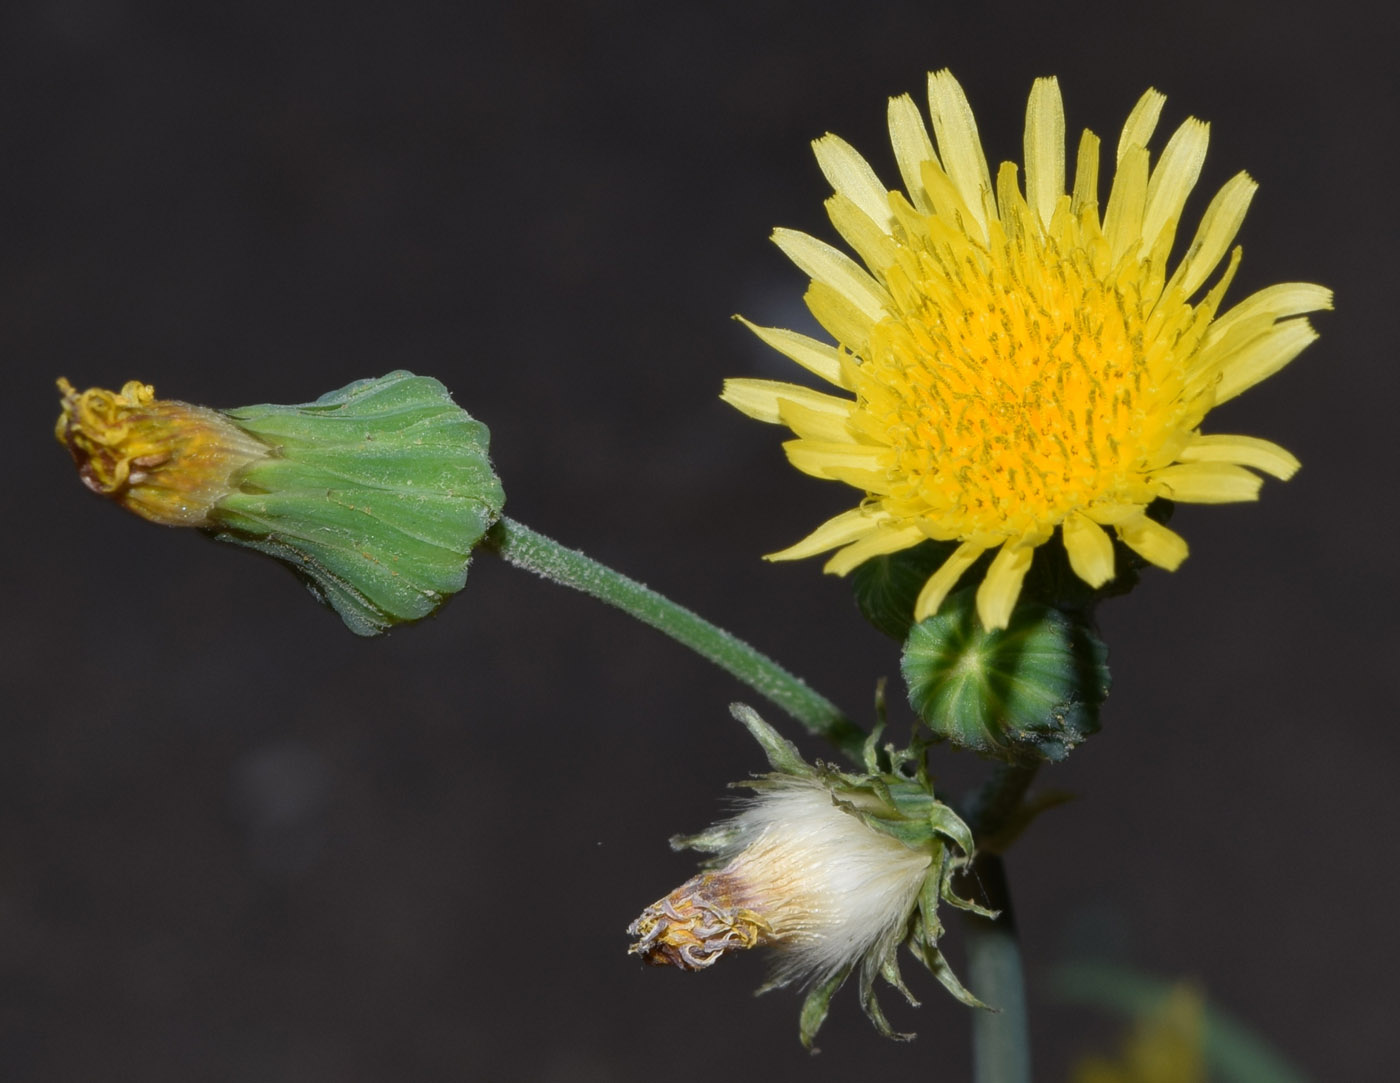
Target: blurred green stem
[534,552]
[1001,1042]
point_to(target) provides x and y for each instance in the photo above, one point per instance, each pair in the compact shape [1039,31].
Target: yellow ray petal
[834,268]
[1261,309]
[1280,301]
[912,148]
[871,243]
[814,419]
[1263,357]
[1174,177]
[1218,227]
[761,399]
[959,146]
[841,529]
[885,540]
[851,176]
[819,358]
[1090,549]
[943,580]
[1086,174]
[948,204]
[1127,199]
[1209,483]
[1141,122]
[996,597]
[1045,149]
[819,458]
[1153,542]
[1107,514]
[841,318]
[1245,450]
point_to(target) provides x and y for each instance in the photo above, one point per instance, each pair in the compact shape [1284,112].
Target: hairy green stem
[534,552]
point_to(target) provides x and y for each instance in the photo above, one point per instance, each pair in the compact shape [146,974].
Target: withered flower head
[375,494]
[168,461]
[832,871]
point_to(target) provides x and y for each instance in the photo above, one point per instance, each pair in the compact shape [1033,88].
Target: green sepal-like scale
[1025,693]
[375,495]
[886,587]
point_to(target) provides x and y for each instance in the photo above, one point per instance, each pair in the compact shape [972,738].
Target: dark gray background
[237,843]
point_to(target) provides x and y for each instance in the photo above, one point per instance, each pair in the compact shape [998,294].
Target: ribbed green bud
[1028,692]
[375,495]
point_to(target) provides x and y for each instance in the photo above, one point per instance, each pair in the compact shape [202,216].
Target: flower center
[1014,386]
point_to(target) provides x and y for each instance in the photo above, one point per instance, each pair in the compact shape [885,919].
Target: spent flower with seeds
[1019,361]
[832,871]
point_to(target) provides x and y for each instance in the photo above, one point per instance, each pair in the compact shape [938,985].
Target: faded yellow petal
[1122,221]
[818,417]
[1086,174]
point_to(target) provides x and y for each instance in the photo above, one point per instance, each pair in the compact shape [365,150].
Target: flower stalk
[517,544]
[1001,1046]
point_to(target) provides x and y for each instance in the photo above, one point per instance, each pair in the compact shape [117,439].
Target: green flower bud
[1028,692]
[375,495]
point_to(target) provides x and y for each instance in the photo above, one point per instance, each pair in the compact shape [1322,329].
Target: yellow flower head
[1166,1046]
[1021,361]
[167,461]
